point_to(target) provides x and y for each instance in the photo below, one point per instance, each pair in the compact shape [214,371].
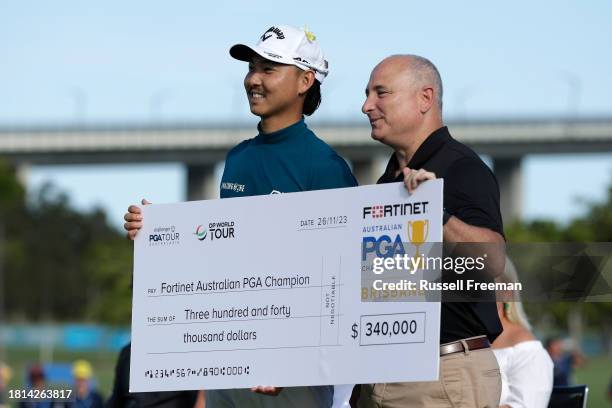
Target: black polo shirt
[471,194]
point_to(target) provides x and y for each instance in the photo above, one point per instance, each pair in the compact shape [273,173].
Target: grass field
[597,373]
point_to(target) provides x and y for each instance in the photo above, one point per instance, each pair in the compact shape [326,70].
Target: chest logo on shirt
[275,192]
[235,187]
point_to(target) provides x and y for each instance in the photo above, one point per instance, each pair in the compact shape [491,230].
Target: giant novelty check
[267,290]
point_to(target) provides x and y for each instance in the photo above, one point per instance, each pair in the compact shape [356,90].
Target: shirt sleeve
[525,389]
[332,173]
[471,193]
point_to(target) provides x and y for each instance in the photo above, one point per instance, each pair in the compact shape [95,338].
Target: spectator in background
[5,378]
[526,369]
[564,361]
[85,395]
[36,379]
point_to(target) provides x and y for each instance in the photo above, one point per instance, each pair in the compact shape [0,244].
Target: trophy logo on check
[418,231]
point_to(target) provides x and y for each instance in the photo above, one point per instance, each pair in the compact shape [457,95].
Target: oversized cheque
[267,290]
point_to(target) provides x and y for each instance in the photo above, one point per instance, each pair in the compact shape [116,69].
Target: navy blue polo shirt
[289,160]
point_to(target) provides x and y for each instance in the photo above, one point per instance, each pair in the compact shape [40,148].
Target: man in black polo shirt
[404,106]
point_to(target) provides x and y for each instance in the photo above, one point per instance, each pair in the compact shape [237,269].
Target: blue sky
[68,61]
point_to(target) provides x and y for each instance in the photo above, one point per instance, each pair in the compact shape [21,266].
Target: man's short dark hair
[312,100]
[550,340]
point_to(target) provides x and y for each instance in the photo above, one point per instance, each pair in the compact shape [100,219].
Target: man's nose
[252,79]
[367,106]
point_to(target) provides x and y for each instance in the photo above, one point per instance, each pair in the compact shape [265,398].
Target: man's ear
[426,99]
[307,79]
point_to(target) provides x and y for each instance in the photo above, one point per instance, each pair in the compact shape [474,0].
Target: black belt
[476,343]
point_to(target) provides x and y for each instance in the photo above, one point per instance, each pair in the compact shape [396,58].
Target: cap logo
[273,31]
[298,59]
[310,35]
[269,54]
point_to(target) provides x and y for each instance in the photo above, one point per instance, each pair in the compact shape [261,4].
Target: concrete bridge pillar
[22,172]
[509,176]
[368,171]
[201,182]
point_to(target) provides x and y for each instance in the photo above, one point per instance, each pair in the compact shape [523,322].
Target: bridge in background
[202,146]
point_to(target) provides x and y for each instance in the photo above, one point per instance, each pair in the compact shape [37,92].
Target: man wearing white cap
[286,70]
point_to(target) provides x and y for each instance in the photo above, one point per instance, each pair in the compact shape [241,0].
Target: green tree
[64,264]
[12,214]
[594,226]
[110,265]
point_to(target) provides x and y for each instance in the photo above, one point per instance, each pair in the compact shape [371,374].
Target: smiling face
[392,103]
[275,90]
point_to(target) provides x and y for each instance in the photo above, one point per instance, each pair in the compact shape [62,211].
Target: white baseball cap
[287,45]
